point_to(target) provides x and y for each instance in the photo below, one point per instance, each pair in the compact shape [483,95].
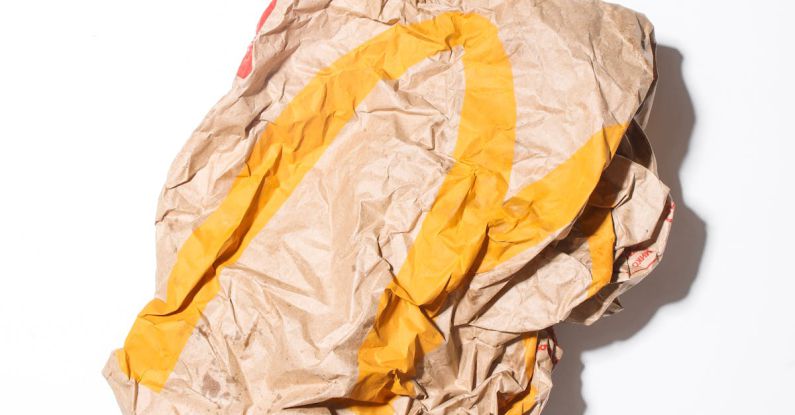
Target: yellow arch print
[469,229]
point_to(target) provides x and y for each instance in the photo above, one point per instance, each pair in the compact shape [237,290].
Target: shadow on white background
[669,130]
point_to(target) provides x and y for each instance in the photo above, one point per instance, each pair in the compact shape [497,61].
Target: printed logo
[671,210]
[641,260]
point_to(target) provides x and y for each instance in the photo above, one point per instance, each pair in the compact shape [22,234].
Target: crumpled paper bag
[394,205]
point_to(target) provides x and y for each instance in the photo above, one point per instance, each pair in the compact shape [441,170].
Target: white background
[97,97]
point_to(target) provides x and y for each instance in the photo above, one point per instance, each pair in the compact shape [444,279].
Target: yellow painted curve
[597,224]
[526,401]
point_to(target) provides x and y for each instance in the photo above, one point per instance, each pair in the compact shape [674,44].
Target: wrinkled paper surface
[395,204]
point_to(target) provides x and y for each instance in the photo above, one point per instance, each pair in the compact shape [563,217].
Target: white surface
[97,97]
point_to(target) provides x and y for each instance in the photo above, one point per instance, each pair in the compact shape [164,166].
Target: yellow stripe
[525,405]
[546,206]
[525,402]
[597,224]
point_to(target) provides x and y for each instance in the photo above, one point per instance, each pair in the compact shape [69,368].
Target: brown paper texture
[395,204]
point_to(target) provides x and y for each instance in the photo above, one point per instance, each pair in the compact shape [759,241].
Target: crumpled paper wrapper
[395,204]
